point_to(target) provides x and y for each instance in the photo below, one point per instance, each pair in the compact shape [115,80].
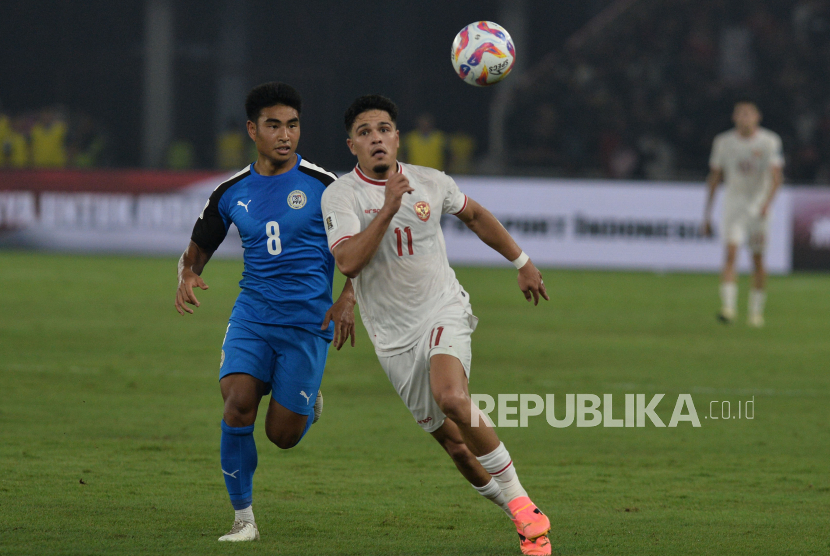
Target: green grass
[109,422]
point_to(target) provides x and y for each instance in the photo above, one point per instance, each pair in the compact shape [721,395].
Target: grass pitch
[110,422]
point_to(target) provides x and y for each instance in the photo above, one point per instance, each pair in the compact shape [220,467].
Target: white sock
[498,464]
[245,515]
[492,491]
[729,297]
[757,299]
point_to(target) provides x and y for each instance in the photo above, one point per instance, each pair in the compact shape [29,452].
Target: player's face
[374,140]
[276,133]
[746,117]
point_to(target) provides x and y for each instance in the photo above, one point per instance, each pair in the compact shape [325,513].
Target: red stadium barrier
[152,211]
[103,181]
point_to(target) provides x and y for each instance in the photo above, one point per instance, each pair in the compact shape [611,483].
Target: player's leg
[284,427]
[241,393]
[734,221]
[448,380]
[295,384]
[757,294]
[238,454]
[729,284]
[409,374]
[246,360]
[449,437]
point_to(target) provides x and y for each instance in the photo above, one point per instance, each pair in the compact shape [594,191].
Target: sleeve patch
[331,223]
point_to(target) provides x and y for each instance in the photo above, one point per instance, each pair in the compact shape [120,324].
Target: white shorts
[743,225]
[449,333]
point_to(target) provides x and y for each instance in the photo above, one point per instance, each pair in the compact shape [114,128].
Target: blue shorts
[290,359]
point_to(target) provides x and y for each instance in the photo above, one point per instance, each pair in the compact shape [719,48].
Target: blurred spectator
[231,152]
[737,64]
[16,148]
[540,144]
[653,88]
[87,143]
[48,139]
[657,158]
[181,155]
[462,148]
[5,139]
[425,145]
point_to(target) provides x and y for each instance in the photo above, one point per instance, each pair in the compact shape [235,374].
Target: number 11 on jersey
[408,232]
[272,229]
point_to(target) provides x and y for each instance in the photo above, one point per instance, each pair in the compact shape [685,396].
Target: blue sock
[238,455]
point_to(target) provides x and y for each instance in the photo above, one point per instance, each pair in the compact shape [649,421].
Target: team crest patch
[422,210]
[296,199]
[222,359]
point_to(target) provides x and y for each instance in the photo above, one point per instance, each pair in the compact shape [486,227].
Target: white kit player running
[750,160]
[383,225]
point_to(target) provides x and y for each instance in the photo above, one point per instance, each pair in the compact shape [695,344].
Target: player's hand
[342,313]
[396,186]
[184,294]
[531,283]
[706,229]
[764,210]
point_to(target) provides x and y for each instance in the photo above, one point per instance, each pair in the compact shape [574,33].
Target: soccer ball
[483,53]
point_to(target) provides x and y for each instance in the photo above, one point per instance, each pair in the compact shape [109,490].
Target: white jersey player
[383,225]
[749,159]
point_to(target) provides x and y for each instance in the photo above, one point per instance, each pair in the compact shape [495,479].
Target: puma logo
[306,396]
[241,204]
[231,474]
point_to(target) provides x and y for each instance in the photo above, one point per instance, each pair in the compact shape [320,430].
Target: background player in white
[383,225]
[750,160]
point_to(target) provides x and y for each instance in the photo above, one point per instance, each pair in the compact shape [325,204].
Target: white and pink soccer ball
[483,53]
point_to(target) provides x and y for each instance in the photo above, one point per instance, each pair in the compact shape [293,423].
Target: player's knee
[238,414]
[455,405]
[283,439]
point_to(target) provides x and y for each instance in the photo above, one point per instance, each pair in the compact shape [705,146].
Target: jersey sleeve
[340,215]
[776,158]
[212,226]
[716,161]
[454,200]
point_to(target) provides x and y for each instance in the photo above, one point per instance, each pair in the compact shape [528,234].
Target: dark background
[88,56]
[651,76]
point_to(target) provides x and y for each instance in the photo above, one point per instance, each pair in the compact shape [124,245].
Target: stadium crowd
[640,97]
[51,138]
[645,96]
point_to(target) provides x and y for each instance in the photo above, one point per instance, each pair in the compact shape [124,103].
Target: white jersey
[409,278]
[746,163]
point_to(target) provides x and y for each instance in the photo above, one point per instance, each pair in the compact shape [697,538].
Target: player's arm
[482,222]
[342,313]
[191,264]
[777,180]
[355,253]
[712,180]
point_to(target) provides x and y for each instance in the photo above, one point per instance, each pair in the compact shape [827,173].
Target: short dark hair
[270,94]
[746,100]
[367,103]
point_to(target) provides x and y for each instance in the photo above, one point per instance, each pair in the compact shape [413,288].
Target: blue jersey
[288,272]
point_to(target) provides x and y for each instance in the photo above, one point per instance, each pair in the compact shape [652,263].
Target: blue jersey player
[283,320]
